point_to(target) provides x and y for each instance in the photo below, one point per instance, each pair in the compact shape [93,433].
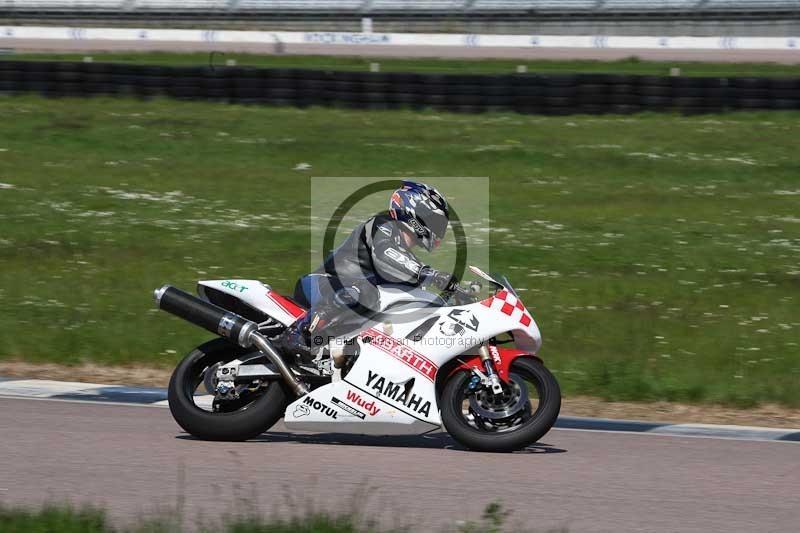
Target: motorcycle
[422,362]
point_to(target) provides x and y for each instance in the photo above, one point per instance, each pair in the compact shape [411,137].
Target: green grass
[59,518]
[631,65]
[659,253]
[66,519]
[51,518]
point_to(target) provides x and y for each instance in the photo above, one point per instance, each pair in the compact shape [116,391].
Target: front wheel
[259,407]
[482,421]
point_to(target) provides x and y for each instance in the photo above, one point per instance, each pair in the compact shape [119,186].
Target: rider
[376,252]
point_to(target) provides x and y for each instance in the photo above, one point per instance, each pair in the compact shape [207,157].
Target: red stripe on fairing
[287,305]
[401,352]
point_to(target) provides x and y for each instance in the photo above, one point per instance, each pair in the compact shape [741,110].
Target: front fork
[491,372]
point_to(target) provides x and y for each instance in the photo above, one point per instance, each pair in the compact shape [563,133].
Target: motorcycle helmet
[423,210]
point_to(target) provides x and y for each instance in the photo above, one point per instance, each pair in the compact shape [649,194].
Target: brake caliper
[226,376]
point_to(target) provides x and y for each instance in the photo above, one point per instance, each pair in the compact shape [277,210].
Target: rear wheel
[482,421]
[258,408]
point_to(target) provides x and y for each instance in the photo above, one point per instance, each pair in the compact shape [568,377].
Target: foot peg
[342,352]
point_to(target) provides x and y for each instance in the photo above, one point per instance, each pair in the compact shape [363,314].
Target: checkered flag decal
[508,304]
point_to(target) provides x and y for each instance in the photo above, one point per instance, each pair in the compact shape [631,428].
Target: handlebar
[461,295]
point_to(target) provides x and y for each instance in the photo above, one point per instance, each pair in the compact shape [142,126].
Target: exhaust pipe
[205,314]
[225,324]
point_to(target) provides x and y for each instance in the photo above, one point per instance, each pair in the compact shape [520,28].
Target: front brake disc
[497,407]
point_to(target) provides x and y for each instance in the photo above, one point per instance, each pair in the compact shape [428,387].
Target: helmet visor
[437,223]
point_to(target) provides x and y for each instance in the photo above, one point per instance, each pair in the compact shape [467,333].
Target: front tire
[509,427]
[240,422]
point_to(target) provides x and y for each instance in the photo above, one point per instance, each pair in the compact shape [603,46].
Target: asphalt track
[602,54]
[136,461]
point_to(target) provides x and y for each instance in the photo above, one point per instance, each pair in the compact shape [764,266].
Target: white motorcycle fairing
[379,398]
[391,388]
[256,295]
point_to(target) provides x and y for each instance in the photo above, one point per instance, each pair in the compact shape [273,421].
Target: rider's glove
[441,280]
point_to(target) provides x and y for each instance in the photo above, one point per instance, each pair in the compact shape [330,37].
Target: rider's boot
[296,340]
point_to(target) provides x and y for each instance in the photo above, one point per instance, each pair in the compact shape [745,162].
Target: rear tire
[513,438]
[246,423]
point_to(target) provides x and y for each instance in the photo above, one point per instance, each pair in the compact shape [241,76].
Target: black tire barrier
[37,66]
[184,92]
[622,89]
[33,76]
[558,101]
[592,89]
[68,76]
[277,83]
[464,99]
[749,93]
[321,85]
[689,92]
[249,83]
[558,94]
[784,84]
[214,83]
[593,100]
[184,81]
[155,81]
[625,109]
[774,93]
[786,105]
[526,91]
[750,83]
[656,102]
[278,94]
[564,92]
[455,89]
[690,82]
[95,89]
[498,101]
[92,77]
[688,102]
[11,75]
[431,99]
[655,90]
[752,103]
[561,80]
[655,81]
[623,99]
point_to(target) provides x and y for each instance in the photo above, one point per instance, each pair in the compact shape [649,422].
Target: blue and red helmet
[423,210]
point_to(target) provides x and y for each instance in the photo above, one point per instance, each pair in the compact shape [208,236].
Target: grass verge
[67,519]
[632,65]
[660,254]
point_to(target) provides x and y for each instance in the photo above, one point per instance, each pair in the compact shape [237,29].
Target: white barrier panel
[399,39]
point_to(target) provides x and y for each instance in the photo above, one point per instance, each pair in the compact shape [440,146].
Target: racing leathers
[373,254]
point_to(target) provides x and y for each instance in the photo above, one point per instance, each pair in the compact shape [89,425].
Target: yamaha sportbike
[423,361]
